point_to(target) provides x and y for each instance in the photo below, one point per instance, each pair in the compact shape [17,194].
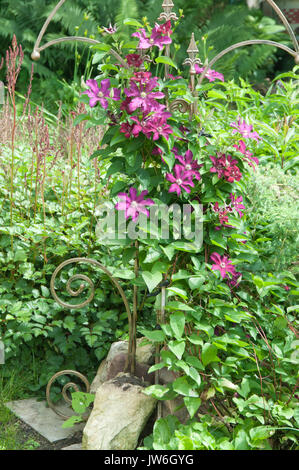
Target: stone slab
[42,419]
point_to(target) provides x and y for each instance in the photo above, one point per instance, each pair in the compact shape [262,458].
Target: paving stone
[42,419]
[73,447]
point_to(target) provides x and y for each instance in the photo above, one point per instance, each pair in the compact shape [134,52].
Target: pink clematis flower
[111,29]
[130,130]
[156,38]
[143,77]
[143,97]
[133,205]
[164,28]
[100,94]
[219,164]
[245,130]
[180,179]
[236,203]
[235,280]
[134,60]
[232,173]
[225,166]
[222,214]
[210,74]
[157,126]
[222,264]
[247,155]
[189,164]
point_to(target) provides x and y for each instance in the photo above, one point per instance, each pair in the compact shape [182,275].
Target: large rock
[145,353]
[118,364]
[119,414]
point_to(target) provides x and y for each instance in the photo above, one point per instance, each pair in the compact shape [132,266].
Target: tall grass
[44,149]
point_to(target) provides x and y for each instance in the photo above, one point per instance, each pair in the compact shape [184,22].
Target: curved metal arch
[36,50]
[290,31]
[247,43]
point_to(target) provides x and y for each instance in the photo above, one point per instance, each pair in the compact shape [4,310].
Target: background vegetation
[219,23]
[49,191]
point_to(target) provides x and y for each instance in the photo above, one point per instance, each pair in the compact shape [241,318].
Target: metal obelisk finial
[167,14]
[191,61]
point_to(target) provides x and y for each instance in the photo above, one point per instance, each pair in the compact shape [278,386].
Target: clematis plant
[160,152]
[164,154]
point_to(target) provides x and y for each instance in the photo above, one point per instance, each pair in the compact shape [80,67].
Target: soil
[25,433]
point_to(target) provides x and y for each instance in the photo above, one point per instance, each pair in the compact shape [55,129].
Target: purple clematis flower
[156,38]
[164,28]
[100,94]
[245,130]
[247,155]
[157,126]
[143,97]
[222,214]
[111,29]
[133,205]
[189,164]
[143,78]
[235,280]
[236,203]
[210,74]
[222,264]
[225,165]
[219,164]
[134,60]
[180,179]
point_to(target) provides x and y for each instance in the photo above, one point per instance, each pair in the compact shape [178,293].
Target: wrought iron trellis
[182,106]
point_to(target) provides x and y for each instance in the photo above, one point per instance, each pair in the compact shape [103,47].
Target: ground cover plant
[230,330]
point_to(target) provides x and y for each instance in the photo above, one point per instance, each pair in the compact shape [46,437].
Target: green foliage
[273,216]
[58,73]
[80,402]
[232,348]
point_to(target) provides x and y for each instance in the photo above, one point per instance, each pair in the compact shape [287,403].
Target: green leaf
[70,422]
[80,118]
[132,22]
[69,323]
[192,404]
[152,279]
[261,432]
[20,255]
[166,60]
[117,138]
[177,347]
[176,305]
[217,239]
[156,335]
[183,387]
[196,281]
[157,391]
[209,354]
[177,323]
[217,94]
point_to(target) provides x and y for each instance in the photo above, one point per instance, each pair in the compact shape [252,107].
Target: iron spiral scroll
[130,366]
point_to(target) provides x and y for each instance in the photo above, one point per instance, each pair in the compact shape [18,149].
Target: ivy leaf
[157,335]
[209,354]
[183,387]
[192,405]
[177,347]
[177,323]
[152,279]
